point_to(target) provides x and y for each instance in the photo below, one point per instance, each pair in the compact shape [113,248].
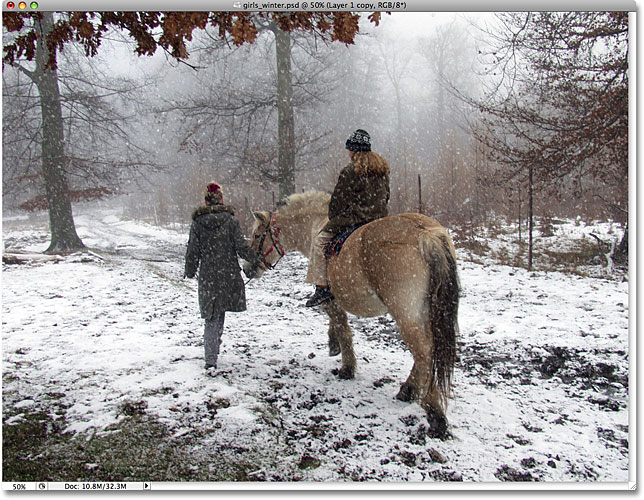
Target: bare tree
[449,55]
[21,164]
[397,66]
[38,38]
[63,230]
[558,111]
[100,150]
[243,111]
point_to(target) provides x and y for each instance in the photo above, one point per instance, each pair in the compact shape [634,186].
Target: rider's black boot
[322,294]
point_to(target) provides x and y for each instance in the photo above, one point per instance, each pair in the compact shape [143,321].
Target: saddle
[335,245]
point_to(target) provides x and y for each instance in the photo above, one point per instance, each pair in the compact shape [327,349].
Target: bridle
[275,243]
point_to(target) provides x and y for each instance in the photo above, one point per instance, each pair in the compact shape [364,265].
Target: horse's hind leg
[436,418]
[340,330]
[410,390]
[420,347]
[432,403]
[437,422]
[420,382]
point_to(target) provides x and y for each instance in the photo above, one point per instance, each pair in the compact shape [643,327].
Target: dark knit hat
[213,194]
[359,141]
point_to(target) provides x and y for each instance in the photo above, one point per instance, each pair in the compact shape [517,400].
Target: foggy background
[154,131]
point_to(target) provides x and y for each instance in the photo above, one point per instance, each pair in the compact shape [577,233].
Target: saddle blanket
[335,245]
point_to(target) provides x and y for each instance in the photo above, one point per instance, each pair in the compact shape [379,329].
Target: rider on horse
[360,196]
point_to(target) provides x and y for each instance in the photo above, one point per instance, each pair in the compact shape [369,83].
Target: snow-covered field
[541,389]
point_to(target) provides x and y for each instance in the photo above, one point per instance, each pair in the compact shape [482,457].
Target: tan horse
[404,265]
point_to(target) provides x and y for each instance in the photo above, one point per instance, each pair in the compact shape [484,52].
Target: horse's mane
[307,203]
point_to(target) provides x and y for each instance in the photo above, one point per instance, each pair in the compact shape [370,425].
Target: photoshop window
[318,246]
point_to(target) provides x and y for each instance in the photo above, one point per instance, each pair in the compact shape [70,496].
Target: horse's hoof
[334,350]
[406,393]
[346,373]
[437,425]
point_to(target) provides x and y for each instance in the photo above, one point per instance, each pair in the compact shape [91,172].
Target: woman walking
[215,242]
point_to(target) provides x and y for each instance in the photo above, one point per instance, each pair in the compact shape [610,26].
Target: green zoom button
[33,5]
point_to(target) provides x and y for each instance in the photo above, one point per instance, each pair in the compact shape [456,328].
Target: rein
[276,245]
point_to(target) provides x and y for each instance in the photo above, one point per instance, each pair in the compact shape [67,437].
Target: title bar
[319,5]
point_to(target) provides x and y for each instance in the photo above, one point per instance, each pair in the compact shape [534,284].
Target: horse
[404,265]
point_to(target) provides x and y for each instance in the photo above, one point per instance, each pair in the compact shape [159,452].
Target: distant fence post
[247,213]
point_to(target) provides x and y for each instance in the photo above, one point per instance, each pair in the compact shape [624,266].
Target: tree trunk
[531,220]
[519,215]
[285,119]
[61,221]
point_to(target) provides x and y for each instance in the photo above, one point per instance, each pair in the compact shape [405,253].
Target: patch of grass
[475,247]
[138,448]
[585,253]
[308,462]
[22,446]
[505,258]
[581,258]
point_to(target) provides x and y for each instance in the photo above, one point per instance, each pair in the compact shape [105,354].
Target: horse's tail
[443,296]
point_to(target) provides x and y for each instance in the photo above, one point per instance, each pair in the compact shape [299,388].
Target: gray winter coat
[215,242]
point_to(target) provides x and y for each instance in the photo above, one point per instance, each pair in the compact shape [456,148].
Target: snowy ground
[540,393]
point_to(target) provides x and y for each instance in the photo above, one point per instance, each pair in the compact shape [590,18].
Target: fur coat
[216,240]
[361,193]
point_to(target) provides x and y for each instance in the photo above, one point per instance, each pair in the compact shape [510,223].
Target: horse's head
[265,240]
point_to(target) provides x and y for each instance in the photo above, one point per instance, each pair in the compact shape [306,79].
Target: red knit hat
[213,194]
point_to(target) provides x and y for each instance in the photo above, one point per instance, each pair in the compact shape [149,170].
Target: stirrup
[321,295]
